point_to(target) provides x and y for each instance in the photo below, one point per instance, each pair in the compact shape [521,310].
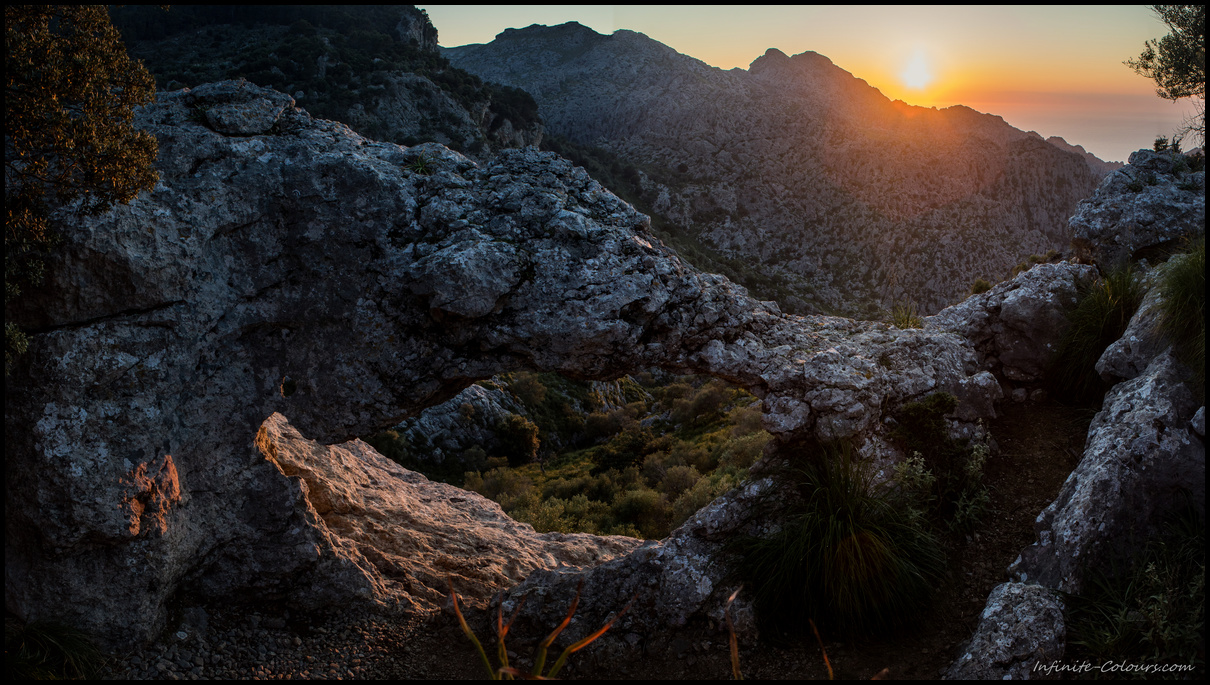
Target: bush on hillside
[1152,611]
[1102,312]
[1183,319]
[517,439]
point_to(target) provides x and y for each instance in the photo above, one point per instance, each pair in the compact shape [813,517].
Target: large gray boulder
[1017,325]
[1142,460]
[1022,633]
[346,284]
[1153,205]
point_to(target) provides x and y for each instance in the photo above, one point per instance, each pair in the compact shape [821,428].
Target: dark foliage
[845,556]
[68,133]
[1102,313]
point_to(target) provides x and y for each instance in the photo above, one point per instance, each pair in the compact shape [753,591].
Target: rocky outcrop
[1142,460]
[411,107]
[1016,326]
[799,167]
[1145,210]
[398,535]
[1127,357]
[375,68]
[287,265]
[467,420]
[414,28]
[1144,457]
[681,577]
[1145,454]
[669,582]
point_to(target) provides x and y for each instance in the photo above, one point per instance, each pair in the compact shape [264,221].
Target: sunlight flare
[917,74]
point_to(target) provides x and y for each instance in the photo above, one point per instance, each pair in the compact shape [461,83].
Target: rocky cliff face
[1146,210]
[1099,167]
[200,358]
[800,166]
[1145,456]
[288,265]
[376,69]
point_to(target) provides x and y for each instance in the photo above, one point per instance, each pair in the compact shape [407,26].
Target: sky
[1056,70]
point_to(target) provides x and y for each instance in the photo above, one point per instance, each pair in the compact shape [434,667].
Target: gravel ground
[267,644]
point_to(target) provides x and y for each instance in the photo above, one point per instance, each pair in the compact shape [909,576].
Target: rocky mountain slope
[196,355]
[376,69]
[799,166]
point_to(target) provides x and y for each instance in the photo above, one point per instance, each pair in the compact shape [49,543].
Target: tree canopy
[1177,62]
[69,138]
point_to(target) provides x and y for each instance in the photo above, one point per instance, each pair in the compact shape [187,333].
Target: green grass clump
[904,315]
[845,556]
[45,650]
[1183,319]
[981,285]
[1151,614]
[1102,312]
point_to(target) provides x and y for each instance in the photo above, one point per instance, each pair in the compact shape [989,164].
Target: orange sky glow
[1055,70]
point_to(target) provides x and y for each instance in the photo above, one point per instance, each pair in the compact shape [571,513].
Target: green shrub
[678,479]
[742,452]
[702,493]
[505,486]
[845,555]
[981,285]
[529,388]
[625,449]
[943,477]
[518,439]
[1153,611]
[647,510]
[1102,312]
[1183,318]
[746,420]
[393,446]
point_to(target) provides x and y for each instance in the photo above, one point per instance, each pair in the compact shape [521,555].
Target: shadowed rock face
[288,265]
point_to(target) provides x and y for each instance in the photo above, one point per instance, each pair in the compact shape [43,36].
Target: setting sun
[917,74]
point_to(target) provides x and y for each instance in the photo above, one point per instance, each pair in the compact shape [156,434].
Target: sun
[917,75]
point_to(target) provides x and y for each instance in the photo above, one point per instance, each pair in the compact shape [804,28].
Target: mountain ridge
[802,166]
